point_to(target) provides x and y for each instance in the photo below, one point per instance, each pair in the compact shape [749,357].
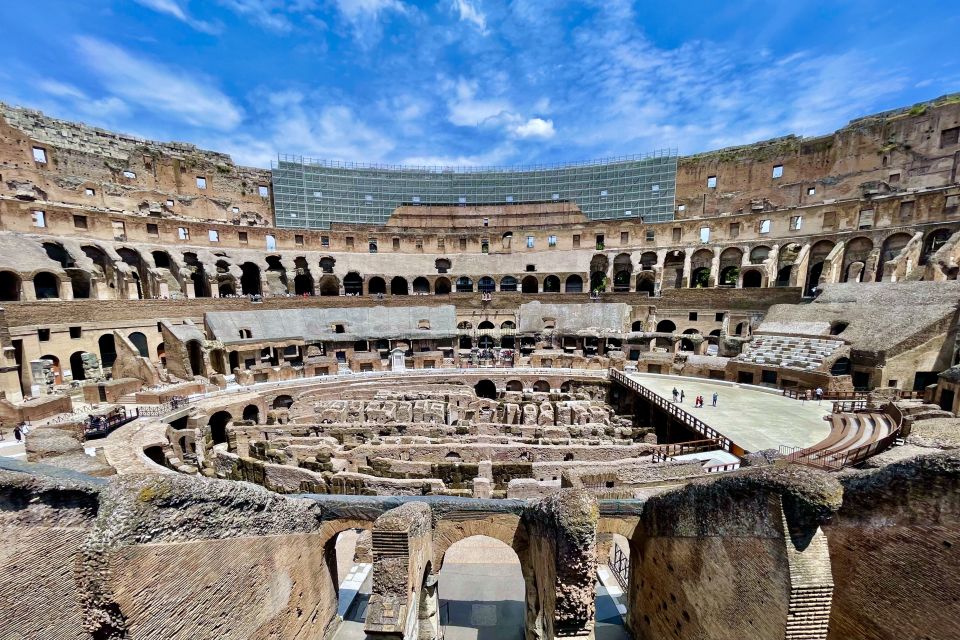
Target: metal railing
[157,411]
[692,422]
[665,452]
[620,566]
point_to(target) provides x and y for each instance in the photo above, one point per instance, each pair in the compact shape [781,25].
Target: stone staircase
[811,588]
[806,354]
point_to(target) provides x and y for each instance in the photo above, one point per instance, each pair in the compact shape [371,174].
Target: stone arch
[551,284]
[514,385]
[46,285]
[486,284]
[399,286]
[76,366]
[161,259]
[218,426]
[666,326]
[327,263]
[282,401]
[421,285]
[10,286]
[108,349]
[250,279]
[139,340]
[855,258]
[441,286]
[329,285]
[530,284]
[574,284]
[486,389]
[376,285]
[486,324]
[752,278]
[251,412]
[508,529]
[464,285]
[303,284]
[541,386]
[195,356]
[443,265]
[508,283]
[891,248]
[622,272]
[648,260]
[54,368]
[816,260]
[646,283]
[700,265]
[932,243]
[673,270]
[353,284]
[687,344]
[759,253]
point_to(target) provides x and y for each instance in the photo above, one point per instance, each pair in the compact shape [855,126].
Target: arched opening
[636,325]
[197,275]
[327,264]
[465,342]
[645,283]
[376,286]
[508,325]
[599,264]
[218,426]
[195,353]
[276,275]
[76,366]
[486,284]
[218,361]
[783,276]
[542,386]
[486,324]
[251,412]
[855,258]
[759,253]
[108,349]
[140,342]
[932,244]
[443,265]
[54,368]
[700,278]
[836,328]
[283,402]
[464,285]
[250,279]
[818,255]
[161,354]
[854,272]
[622,272]
[687,344]
[752,279]
[353,284]
[621,281]
[892,247]
[441,286]
[486,389]
[741,327]
[46,285]
[9,286]
[730,260]
[303,284]
[508,283]
[551,284]
[161,259]
[666,326]
[840,367]
[421,285]
[329,286]
[574,284]
[530,284]
[514,385]
[487,599]
[399,287]
[673,270]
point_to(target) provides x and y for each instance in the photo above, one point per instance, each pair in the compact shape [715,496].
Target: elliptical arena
[255,406]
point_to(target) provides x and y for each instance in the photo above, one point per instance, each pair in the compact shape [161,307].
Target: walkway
[124,447]
[752,418]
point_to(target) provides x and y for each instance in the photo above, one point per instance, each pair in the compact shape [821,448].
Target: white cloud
[470,13]
[78,101]
[159,88]
[174,9]
[467,110]
[535,128]
[364,16]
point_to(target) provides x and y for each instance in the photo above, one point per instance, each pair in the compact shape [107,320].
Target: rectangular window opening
[778,171]
[39,219]
[201,182]
[711,182]
[40,155]
[213,235]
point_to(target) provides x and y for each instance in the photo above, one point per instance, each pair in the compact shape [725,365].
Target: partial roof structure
[598,319]
[333,325]
[876,317]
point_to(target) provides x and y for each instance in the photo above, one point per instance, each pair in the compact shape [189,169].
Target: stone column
[685,279]
[714,268]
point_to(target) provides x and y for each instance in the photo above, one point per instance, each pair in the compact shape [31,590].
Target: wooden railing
[694,423]
[665,452]
[813,457]
[810,394]
[849,406]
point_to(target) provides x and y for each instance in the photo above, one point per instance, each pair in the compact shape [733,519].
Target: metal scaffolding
[312,193]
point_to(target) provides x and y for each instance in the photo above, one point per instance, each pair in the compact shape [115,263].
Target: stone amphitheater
[735,418]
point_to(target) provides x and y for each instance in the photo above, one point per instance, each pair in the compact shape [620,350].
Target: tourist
[818,394]
[17,434]
[715,397]
[675,394]
[681,396]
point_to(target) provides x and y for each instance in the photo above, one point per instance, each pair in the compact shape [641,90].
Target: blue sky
[472,82]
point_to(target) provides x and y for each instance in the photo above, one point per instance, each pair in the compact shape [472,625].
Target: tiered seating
[783,351]
[849,432]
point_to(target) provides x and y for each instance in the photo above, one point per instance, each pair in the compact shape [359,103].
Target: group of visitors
[679,395]
[19,431]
